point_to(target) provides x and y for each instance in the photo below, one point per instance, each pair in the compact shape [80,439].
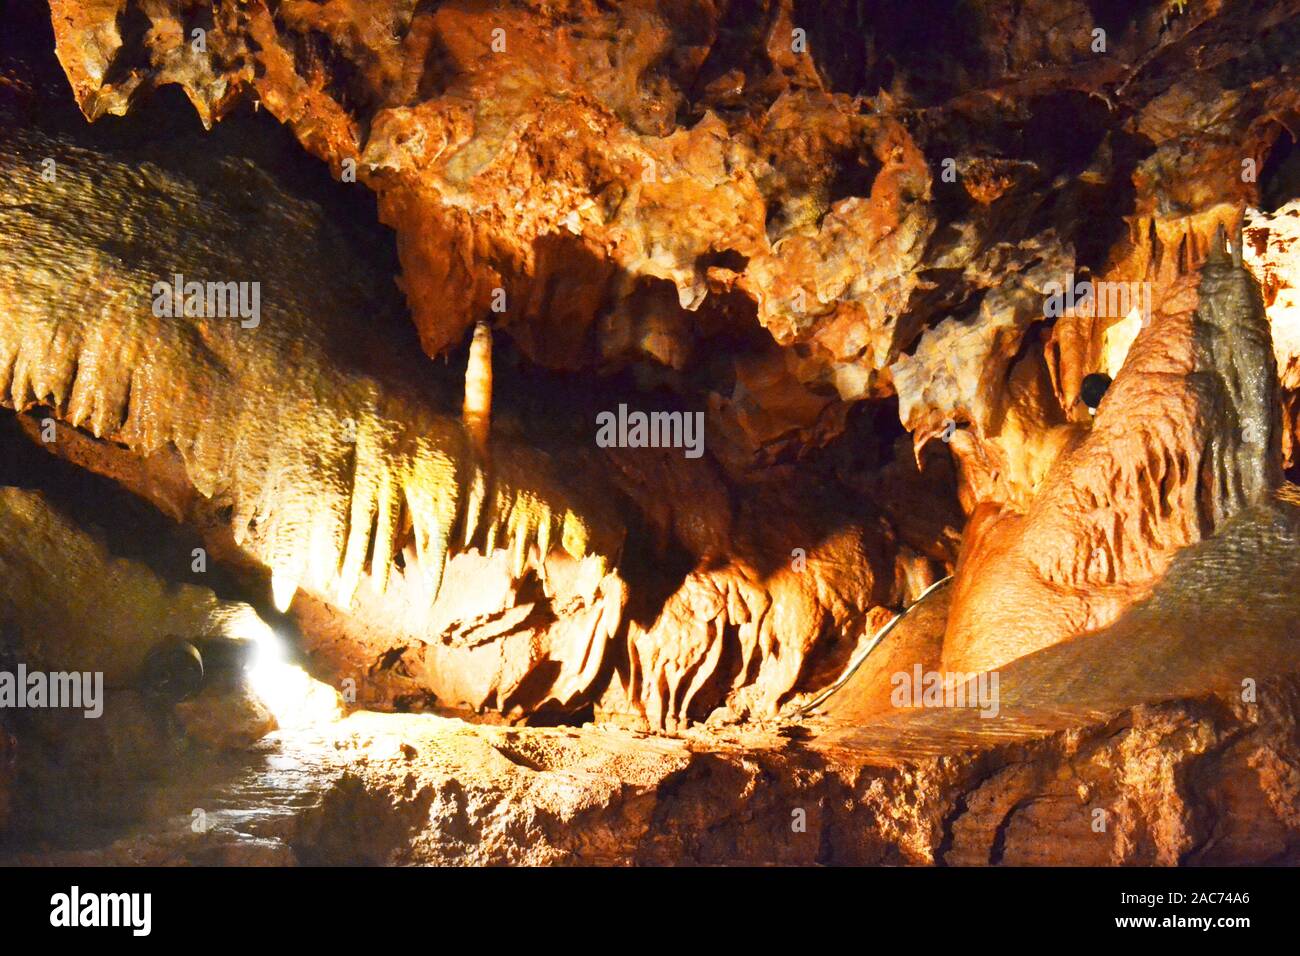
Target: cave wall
[794,218]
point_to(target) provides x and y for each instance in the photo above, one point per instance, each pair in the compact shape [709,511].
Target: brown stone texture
[425,566]
[1186,437]
[325,476]
[692,160]
[618,186]
[846,237]
[1203,780]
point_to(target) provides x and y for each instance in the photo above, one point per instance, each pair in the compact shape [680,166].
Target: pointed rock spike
[477,408]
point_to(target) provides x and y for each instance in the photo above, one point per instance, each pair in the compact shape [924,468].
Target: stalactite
[478,389]
[316,463]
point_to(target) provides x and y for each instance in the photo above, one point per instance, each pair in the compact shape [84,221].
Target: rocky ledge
[1209,779]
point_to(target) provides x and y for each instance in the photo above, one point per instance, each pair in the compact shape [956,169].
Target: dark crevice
[1279,177]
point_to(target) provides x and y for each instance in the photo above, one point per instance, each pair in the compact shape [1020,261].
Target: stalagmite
[1187,437]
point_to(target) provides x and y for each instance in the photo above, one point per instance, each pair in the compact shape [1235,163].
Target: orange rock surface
[846,239]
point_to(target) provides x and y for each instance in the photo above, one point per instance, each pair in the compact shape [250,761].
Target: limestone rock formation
[1202,780]
[310,316]
[747,156]
[428,560]
[1187,436]
[348,477]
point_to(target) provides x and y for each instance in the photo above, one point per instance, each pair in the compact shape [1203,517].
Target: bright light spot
[295,697]
[1117,340]
[283,588]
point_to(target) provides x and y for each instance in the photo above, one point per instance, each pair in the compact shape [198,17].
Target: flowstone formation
[314,319]
[1187,436]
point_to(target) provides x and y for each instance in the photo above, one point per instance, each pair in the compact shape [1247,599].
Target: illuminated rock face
[636,179]
[335,476]
[846,236]
[782,217]
[318,461]
[72,605]
[1186,437]
[431,555]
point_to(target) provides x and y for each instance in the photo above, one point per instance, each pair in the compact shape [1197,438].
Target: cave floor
[1155,783]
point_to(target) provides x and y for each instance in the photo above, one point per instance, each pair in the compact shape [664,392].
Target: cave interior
[660,431]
